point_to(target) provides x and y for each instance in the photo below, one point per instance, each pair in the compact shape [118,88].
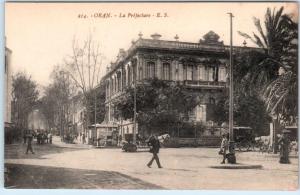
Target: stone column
[140,69]
[180,71]
[195,73]
[173,70]
[126,73]
[144,65]
[158,67]
[109,114]
[121,87]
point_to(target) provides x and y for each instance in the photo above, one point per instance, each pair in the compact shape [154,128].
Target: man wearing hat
[224,149]
[284,143]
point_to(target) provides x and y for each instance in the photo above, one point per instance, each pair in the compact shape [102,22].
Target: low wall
[212,141]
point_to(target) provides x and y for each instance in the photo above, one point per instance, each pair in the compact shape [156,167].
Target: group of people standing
[42,137]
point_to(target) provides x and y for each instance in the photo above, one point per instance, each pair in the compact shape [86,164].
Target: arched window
[140,73]
[166,71]
[150,72]
[201,72]
[222,74]
[129,75]
[119,81]
[189,74]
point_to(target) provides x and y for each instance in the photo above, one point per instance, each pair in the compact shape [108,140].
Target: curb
[236,166]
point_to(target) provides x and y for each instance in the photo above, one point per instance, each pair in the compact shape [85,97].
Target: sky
[40,34]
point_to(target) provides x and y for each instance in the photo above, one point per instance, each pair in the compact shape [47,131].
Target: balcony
[205,84]
[150,43]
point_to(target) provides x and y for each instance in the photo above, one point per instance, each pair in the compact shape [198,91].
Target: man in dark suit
[29,146]
[154,149]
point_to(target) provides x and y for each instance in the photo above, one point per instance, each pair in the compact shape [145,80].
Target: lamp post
[231,156]
[134,108]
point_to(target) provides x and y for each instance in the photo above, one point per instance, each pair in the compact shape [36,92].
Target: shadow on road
[45,177]
[17,151]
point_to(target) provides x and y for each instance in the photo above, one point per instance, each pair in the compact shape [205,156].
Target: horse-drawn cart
[244,138]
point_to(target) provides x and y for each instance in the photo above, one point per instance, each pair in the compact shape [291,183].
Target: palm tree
[274,40]
[282,93]
[275,76]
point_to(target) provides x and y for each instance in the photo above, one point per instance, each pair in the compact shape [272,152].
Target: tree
[83,67]
[100,103]
[281,95]
[248,110]
[24,96]
[161,106]
[273,40]
[55,104]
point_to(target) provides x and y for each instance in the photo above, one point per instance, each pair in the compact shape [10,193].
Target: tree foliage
[161,105]
[279,41]
[99,99]
[56,101]
[274,40]
[24,96]
[248,110]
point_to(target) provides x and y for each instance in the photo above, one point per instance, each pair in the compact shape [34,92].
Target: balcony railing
[173,45]
[214,84]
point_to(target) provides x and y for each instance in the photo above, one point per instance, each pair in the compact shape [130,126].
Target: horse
[264,143]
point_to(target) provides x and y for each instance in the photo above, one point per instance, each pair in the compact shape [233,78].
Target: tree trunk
[276,127]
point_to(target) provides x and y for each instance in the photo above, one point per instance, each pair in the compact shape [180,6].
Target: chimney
[121,52]
[155,36]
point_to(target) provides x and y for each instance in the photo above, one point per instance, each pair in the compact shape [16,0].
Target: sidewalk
[56,141]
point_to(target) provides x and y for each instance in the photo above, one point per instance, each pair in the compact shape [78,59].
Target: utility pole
[134,109]
[231,156]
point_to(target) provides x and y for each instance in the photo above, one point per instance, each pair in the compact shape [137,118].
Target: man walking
[29,146]
[224,147]
[49,137]
[154,149]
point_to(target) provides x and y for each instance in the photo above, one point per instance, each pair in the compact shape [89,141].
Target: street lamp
[134,109]
[231,156]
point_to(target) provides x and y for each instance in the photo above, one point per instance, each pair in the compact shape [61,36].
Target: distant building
[201,67]
[37,120]
[77,114]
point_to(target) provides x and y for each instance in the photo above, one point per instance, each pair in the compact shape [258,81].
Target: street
[81,166]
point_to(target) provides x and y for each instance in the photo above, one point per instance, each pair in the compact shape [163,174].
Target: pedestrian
[46,137]
[29,146]
[224,149]
[24,137]
[43,138]
[120,140]
[83,138]
[154,149]
[284,144]
[49,137]
[38,138]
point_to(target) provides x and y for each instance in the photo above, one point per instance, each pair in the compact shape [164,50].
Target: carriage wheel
[244,146]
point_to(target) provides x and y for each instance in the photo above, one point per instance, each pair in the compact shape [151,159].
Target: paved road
[47,177]
[184,168]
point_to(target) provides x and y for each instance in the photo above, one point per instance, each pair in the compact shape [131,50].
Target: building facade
[200,67]
[7,87]
[77,115]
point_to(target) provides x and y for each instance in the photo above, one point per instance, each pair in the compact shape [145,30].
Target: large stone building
[201,67]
